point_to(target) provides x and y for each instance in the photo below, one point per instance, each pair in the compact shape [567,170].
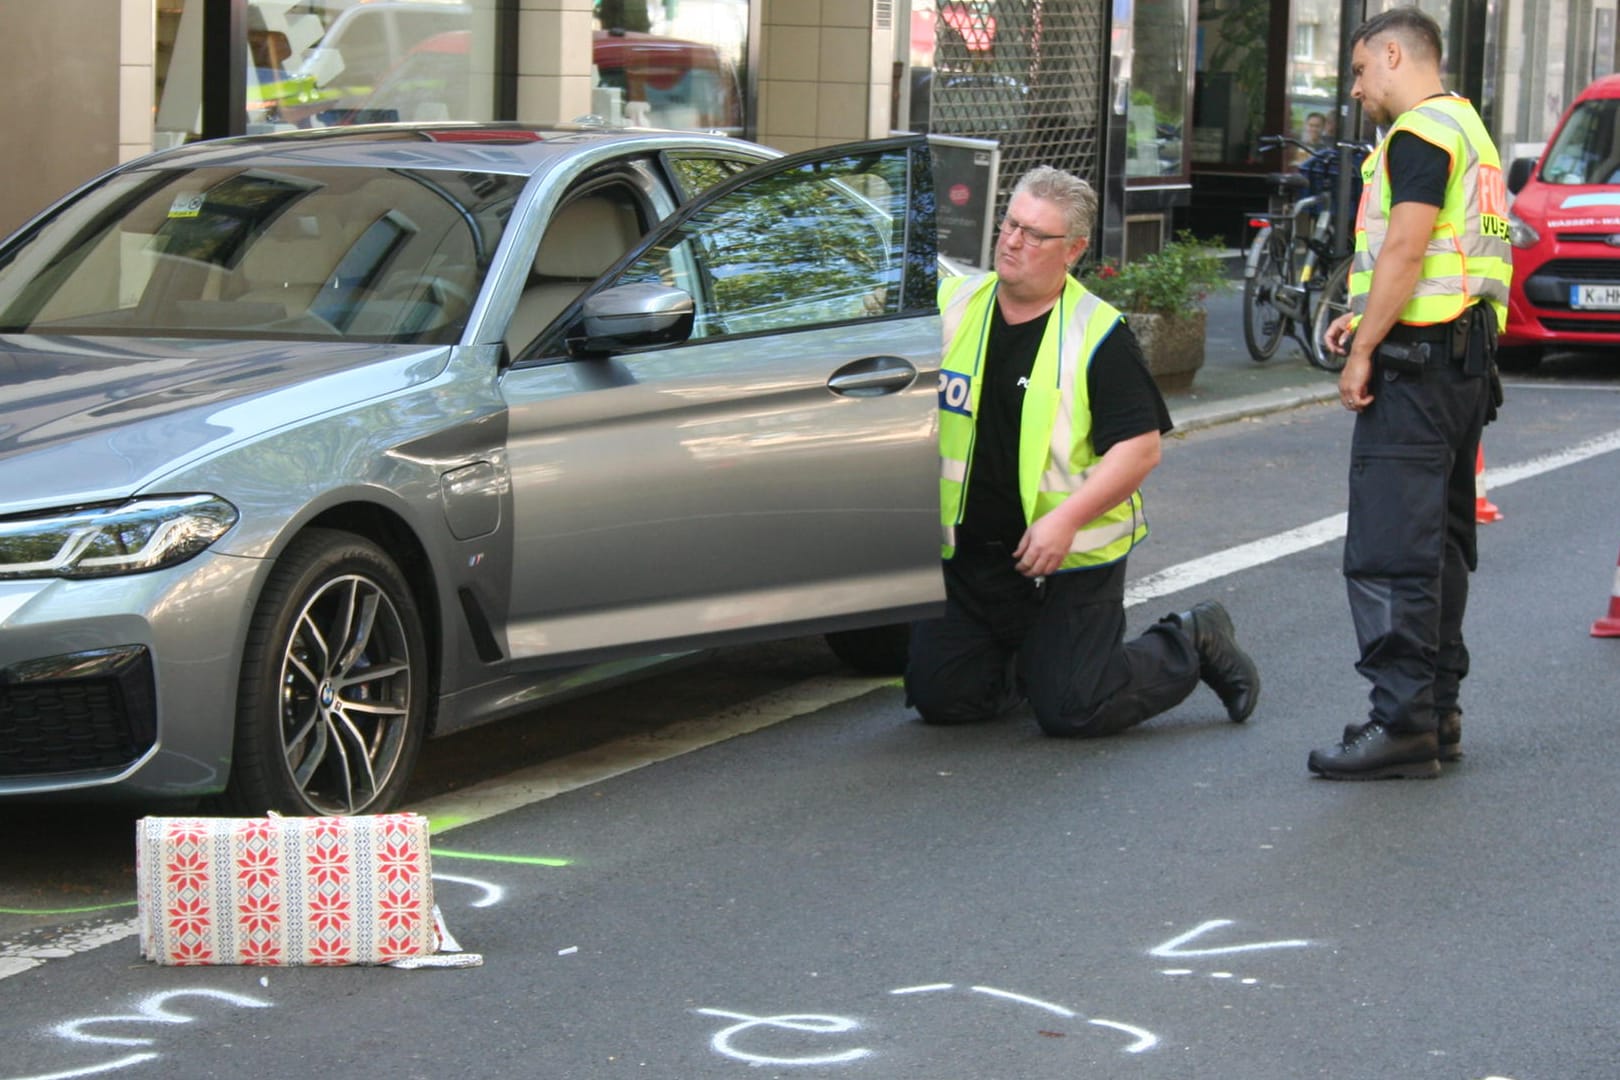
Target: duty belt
[1445,340]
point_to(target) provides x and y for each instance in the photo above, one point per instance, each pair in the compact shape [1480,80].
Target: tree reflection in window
[819,243]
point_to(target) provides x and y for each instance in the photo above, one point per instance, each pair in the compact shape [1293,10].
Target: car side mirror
[1519,173]
[628,316]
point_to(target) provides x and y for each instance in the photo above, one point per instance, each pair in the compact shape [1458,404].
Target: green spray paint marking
[526,860]
[65,910]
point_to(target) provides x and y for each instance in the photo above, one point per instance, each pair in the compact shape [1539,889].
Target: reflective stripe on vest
[1468,256]
[1054,446]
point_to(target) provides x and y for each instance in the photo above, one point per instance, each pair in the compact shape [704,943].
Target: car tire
[315,734]
[1518,358]
[874,650]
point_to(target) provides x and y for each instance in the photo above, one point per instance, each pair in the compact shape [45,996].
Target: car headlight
[140,535]
[1521,235]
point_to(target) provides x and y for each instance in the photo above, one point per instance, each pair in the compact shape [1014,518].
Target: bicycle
[1285,290]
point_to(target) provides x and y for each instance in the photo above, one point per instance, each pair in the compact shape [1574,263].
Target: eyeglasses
[1032,237]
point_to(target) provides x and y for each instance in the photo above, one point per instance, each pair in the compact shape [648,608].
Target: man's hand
[1044,546]
[1337,337]
[1111,481]
[1355,382]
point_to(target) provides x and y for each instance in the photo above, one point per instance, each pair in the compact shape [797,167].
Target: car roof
[1606,87]
[509,148]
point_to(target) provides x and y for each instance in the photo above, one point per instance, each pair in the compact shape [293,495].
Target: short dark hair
[1416,29]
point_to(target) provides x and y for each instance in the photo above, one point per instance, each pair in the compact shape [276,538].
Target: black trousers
[1059,645]
[1410,543]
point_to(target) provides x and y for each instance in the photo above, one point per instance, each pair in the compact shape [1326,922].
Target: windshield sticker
[1599,198]
[187,204]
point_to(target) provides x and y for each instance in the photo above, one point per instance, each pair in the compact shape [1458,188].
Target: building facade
[1159,103]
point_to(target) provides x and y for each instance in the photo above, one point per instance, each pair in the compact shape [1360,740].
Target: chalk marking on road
[522,860]
[929,989]
[92,1070]
[802,1022]
[493,894]
[149,1010]
[1173,947]
[1145,1040]
[1022,1000]
[90,909]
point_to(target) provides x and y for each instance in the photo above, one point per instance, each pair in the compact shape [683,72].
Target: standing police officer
[1428,294]
[1048,423]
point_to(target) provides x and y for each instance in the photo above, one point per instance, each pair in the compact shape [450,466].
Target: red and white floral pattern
[355,890]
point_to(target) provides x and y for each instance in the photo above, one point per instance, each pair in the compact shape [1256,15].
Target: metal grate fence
[1029,73]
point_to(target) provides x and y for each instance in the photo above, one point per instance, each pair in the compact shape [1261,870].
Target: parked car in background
[1565,230]
[319,443]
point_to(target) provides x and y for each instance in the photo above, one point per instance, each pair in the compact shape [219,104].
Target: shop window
[671,63]
[316,64]
[1157,121]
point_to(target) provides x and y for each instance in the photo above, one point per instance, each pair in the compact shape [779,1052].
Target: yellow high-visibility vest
[1468,258]
[1054,438]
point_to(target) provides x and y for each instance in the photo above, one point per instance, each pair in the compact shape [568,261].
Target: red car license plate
[1594,296]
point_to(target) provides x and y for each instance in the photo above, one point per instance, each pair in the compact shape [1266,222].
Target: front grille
[99,714]
[1583,326]
[1549,286]
[1589,270]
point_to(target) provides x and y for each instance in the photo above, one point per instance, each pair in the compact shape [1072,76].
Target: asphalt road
[846,893]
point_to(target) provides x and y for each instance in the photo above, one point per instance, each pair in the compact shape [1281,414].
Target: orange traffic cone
[1609,625]
[1485,511]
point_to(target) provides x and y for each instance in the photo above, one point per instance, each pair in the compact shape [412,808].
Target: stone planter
[1173,345]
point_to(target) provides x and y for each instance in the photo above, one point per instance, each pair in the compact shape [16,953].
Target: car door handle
[871,376]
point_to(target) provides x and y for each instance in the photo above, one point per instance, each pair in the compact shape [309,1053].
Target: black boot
[1376,753]
[1448,730]
[1448,734]
[1225,667]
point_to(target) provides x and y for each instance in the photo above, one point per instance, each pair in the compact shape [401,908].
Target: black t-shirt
[1418,170]
[1125,403]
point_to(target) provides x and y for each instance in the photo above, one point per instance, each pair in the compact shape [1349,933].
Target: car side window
[696,173]
[820,243]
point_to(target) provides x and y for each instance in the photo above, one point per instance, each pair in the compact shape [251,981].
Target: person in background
[1428,295]
[1049,422]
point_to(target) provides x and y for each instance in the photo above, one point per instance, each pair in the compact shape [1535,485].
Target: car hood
[1573,207]
[88,420]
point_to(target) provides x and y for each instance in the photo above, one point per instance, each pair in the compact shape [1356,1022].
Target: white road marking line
[1196,572]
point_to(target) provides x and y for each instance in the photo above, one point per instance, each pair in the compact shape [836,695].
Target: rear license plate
[1594,296]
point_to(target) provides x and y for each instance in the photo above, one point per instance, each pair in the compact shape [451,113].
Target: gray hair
[1074,195]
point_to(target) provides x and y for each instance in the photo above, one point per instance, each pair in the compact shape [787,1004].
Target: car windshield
[308,253]
[1587,150]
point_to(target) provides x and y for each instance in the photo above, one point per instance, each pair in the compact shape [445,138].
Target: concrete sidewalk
[1231,385]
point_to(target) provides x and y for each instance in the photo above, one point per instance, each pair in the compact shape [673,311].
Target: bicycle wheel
[1334,301]
[1263,324]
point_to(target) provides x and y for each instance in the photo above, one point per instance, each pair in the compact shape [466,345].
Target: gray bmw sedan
[315,445]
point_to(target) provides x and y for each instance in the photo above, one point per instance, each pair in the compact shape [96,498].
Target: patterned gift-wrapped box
[354,890]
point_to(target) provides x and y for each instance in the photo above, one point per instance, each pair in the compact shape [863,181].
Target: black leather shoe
[1448,734]
[1225,667]
[1448,731]
[1376,753]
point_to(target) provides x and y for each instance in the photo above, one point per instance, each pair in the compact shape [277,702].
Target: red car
[1565,230]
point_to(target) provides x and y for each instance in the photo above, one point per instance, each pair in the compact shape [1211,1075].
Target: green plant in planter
[1172,281]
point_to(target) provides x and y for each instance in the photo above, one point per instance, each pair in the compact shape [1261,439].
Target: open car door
[731,434]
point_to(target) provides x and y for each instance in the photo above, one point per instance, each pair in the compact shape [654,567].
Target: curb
[1196,417]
